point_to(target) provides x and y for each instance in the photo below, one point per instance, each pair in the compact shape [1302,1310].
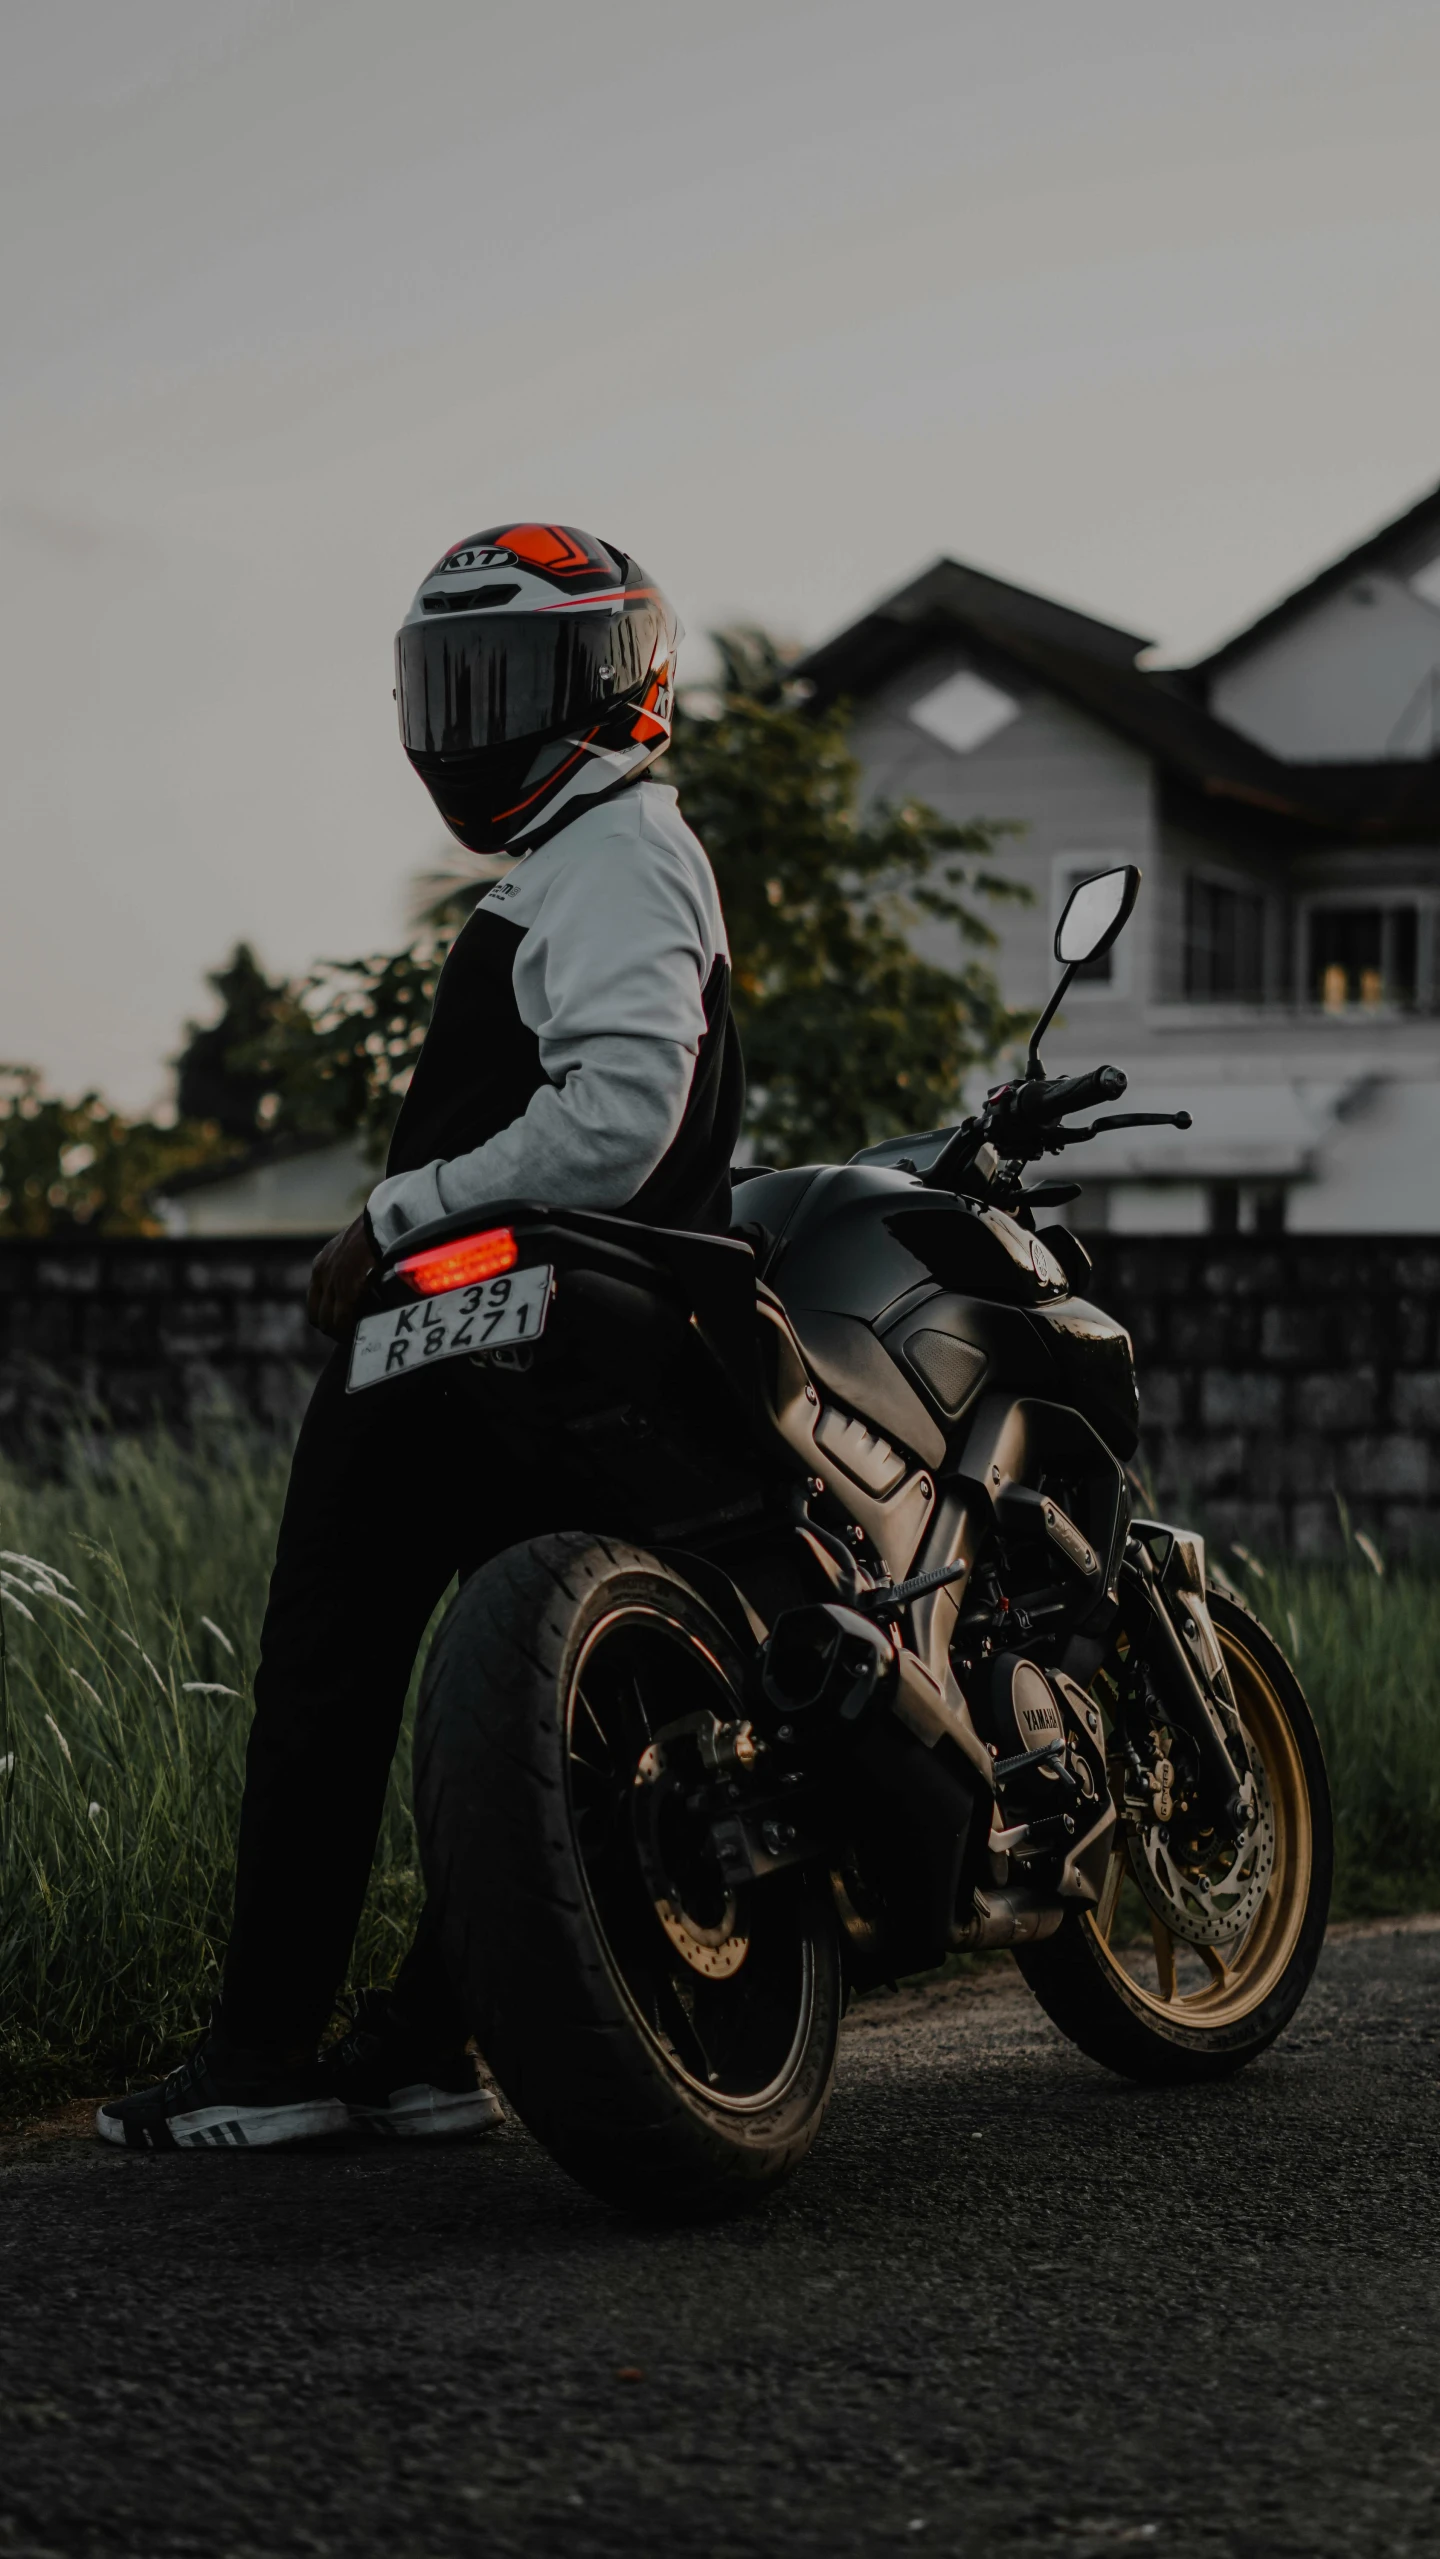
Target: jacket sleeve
[611,979]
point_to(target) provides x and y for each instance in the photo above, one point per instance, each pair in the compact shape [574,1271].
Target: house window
[964,711]
[1362,955]
[1224,943]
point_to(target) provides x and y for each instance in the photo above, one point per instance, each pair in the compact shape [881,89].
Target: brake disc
[1208,1896]
[713,1946]
[716,1952]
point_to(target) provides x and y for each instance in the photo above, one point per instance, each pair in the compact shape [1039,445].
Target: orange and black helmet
[534,672]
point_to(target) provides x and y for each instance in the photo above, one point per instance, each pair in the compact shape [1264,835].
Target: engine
[1047,1746]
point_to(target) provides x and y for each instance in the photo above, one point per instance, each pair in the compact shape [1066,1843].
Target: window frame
[1424,905]
[1237,884]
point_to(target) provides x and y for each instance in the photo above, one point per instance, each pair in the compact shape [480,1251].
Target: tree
[68,1167]
[80,1166]
[215,1078]
[326,1056]
[850,1035]
[341,1056]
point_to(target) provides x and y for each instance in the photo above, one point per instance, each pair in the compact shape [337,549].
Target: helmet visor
[466,681]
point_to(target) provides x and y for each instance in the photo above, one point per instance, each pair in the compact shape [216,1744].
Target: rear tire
[1099,1994]
[671,2086]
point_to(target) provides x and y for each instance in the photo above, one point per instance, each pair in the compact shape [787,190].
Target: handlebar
[1053,1097]
[1016,1114]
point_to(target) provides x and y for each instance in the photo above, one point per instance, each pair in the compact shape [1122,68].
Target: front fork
[1164,1616]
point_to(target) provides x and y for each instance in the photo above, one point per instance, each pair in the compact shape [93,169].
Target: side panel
[991,1345]
[895,1520]
[1094,1361]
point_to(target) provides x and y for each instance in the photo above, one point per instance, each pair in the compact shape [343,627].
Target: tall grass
[1366,1645]
[131,1588]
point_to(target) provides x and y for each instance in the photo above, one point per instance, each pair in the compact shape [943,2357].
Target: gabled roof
[1372,553]
[1092,664]
[949,592]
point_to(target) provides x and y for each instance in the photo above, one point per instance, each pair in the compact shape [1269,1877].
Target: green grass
[1366,1645]
[124,1707]
[125,1700]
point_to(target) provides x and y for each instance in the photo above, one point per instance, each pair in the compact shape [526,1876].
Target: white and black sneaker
[399,2083]
[227,2101]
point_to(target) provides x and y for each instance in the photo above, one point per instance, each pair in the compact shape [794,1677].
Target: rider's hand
[337,1277]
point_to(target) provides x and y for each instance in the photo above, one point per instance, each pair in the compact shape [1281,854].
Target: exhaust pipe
[1006,1915]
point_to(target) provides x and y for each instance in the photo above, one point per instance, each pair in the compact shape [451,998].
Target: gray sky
[1135,303]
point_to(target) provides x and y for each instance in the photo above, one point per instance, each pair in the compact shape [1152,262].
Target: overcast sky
[1134,302]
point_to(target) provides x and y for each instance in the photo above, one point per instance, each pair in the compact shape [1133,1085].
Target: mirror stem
[1033,1067]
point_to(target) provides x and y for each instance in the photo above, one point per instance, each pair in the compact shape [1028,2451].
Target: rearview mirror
[1095,913]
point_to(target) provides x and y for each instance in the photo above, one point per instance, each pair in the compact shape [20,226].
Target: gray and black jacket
[581,1051]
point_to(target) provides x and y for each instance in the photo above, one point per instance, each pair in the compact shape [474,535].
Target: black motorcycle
[860,1658]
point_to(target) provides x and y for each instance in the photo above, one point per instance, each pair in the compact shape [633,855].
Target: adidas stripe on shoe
[202,2107]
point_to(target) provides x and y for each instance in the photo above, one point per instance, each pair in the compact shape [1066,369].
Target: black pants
[391,1491]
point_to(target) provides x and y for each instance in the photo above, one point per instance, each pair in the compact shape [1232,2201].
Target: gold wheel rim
[1240,1979]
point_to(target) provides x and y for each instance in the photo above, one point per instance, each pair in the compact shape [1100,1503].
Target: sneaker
[235,2101]
[398,2084]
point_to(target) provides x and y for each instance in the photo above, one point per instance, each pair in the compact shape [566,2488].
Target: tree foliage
[217,1076]
[70,1167]
[342,1055]
[850,1033]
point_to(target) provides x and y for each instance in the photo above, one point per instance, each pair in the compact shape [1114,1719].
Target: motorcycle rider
[581,1053]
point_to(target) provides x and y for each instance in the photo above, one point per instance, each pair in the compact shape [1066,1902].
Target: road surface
[1011,2306]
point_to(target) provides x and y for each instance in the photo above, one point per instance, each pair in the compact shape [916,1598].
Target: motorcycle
[861,1659]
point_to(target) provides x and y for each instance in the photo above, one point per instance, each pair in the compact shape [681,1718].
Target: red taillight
[459,1265]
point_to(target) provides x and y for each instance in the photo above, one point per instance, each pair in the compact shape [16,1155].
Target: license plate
[488,1316]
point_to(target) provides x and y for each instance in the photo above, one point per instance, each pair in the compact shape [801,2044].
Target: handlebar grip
[1058,1095]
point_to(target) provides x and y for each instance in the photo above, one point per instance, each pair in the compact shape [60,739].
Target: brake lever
[1143,1119]
[1120,1119]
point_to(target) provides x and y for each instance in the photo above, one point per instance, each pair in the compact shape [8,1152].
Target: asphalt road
[1011,2305]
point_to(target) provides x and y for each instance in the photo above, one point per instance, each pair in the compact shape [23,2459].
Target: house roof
[1092,664]
[949,592]
[1402,530]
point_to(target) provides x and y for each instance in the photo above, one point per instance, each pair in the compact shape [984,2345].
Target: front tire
[1179,2010]
[677,2065]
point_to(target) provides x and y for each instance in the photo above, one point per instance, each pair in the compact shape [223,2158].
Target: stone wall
[146,1330]
[1275,1371]
[1278,1371]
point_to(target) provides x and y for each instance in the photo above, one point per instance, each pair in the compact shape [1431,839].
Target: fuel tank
[961,1295]
[853,1239]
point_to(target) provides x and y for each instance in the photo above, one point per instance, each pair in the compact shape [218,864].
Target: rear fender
[567,1241]
[724,1597]
[708,1280]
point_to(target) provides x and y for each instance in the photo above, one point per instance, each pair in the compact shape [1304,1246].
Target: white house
[1281,978]
[292,1186]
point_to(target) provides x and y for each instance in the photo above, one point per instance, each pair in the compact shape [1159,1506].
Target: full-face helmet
[534,672]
